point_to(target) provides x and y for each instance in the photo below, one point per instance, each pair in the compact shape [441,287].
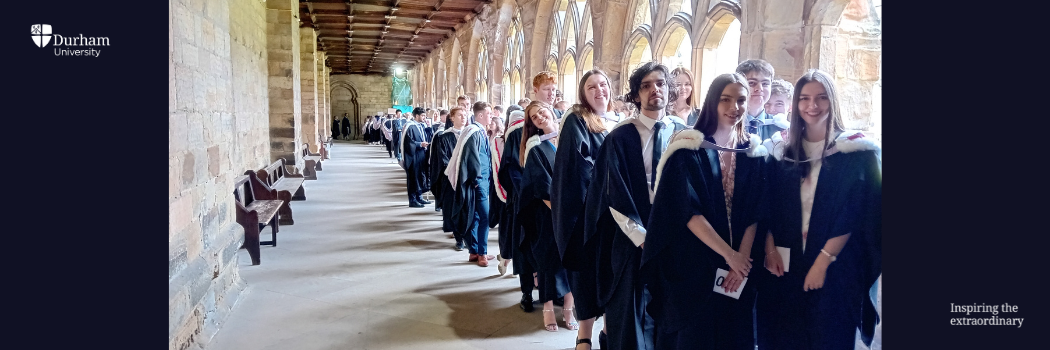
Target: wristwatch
[832,257]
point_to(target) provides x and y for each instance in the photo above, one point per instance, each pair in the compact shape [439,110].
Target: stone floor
[362,270]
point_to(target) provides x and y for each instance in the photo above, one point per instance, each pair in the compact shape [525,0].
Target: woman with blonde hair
[580,137]
[683,105]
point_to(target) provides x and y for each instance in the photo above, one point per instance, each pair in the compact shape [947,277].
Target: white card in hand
[785,254]
[720,276]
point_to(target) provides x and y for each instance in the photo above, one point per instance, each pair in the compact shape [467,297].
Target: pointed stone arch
[356,118]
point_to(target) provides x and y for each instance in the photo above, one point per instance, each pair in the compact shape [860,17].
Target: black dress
[536,219]
[847,199]
[577,148]
[680,268]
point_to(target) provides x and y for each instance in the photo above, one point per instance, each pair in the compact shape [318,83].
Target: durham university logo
[41,34]
[79,45]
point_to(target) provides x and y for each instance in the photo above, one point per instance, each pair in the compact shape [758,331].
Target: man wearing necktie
[618,204]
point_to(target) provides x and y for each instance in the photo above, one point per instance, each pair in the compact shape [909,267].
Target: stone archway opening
[344,102]
[639,53]
[678,50]
[720,52]
[568,79]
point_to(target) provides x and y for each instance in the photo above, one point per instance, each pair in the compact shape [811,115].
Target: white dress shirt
[634,231]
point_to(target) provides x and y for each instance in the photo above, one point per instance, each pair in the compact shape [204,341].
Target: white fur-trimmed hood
[532,142]
[847,142]
[685,139]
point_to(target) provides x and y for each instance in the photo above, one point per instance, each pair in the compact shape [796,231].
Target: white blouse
[814,150]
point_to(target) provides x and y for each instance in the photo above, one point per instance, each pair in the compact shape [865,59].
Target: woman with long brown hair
[539,136]
[709,201]
[823,250]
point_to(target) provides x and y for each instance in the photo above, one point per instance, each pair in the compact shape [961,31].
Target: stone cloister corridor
[255,83]
[360,270]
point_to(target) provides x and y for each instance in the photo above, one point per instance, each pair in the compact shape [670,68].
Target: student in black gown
[444,143]
[335,128]
[428,135]
[498,197]
[580,137]
[413,146]
[710,198]
[539,136]
[830,229]
[437,160]
[346,127]
[470,172]
[397,128]
[619,201]
[388,126]
[511,235]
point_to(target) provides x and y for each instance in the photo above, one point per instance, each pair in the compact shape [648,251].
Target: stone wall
[373,94]
[218,127]
[285,89]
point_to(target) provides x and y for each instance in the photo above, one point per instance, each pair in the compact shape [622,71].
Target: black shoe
[559,302]
[415,205]
[526,302]
[437,209]
[460,246]
[424,201]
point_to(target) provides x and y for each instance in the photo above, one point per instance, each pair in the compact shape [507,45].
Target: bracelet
[771,251]
[832,257]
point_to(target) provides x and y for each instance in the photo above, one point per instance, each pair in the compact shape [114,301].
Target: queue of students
[656,220]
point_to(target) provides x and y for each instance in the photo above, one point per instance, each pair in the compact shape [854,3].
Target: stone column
[282,49]
[607,27]
[324,126]
[308,81]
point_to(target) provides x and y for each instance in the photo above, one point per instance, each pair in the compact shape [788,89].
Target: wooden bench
[313,163]
[289,187]
[256,210]
[326,149]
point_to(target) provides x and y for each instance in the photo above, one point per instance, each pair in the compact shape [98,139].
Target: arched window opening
[568,80]
[640,53]
[678,50]
[721,52]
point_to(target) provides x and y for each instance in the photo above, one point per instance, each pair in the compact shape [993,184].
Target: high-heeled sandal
[574,325]
[584,341]
[551,327]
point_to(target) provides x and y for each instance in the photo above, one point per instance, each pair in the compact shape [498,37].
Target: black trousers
[524,267]
[629,326]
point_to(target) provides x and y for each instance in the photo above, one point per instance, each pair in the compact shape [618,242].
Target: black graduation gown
[346,127]
[395,136]
[510,235]
[847,199]
[442,148]
[680,268]
[413,153]
[535,217]
[389,124]
[335,129]
[537,222]
[428,136]
[496,205]
[472,167]
[577,148]
[619,182]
